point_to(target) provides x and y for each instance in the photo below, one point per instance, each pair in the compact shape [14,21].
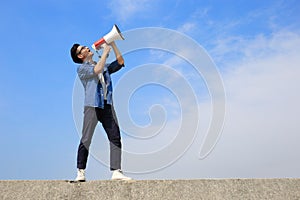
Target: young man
[95,77]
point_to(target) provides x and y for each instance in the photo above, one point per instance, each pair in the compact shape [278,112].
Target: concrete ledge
[153,189]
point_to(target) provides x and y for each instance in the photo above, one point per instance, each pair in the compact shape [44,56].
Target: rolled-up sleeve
[114,67]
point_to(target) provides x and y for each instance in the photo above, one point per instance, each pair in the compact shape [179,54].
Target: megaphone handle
[99,56]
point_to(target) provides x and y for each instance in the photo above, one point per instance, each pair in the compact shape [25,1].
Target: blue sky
[254,45]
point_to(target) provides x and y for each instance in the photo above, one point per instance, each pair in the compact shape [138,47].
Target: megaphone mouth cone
[119,31]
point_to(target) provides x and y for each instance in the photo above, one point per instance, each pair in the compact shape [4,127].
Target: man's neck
[89,60]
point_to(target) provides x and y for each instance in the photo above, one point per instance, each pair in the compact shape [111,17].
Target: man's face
[84,52]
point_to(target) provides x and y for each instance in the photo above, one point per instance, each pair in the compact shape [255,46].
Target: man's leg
[89,124]
[109,122]
[106,117]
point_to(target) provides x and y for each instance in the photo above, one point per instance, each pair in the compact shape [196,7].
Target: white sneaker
[118,175]
[80,175]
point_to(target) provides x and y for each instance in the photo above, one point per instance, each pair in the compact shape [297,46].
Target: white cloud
[196,22]
[126,9]
[187,27]
[262,119]
[235,49]
[261,133]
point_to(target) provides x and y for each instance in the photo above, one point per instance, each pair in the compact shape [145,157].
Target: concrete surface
[283,189]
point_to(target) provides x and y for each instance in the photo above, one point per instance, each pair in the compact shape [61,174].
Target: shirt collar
[90,62]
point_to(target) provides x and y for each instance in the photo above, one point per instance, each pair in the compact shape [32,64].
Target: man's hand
[106,49]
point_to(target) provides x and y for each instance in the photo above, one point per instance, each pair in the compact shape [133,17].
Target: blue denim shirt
[94,96]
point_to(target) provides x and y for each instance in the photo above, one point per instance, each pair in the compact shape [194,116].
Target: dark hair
[74,56]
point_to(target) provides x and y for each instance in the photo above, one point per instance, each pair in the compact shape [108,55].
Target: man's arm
[118,55]
[101,63]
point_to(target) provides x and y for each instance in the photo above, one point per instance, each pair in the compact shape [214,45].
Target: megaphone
[114,34]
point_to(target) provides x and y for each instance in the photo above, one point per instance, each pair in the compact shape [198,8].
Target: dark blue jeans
[109,122]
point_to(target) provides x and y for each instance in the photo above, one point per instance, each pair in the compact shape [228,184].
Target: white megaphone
[114,34]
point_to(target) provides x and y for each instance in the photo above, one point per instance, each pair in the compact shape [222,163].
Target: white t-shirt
[104,87]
